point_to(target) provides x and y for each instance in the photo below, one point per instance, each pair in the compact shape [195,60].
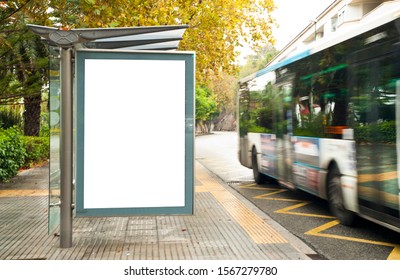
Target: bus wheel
[259,178]
[335,198]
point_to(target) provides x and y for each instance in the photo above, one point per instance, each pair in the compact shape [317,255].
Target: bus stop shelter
[101,51]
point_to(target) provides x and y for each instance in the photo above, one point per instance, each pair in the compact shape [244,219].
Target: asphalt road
[302,214]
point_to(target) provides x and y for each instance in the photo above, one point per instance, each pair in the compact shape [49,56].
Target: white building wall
[341,14]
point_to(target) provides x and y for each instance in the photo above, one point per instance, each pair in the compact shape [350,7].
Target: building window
[340,17]
[334,22]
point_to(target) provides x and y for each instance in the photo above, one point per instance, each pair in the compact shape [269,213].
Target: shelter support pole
[66,151]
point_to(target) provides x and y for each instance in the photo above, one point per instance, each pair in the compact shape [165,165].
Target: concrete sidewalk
[225,226]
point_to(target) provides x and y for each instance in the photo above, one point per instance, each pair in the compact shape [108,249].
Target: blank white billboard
[134,134]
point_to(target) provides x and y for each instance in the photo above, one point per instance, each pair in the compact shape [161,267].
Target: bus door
[284,135]
[374,104]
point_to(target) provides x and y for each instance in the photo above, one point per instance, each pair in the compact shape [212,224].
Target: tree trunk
[32,115]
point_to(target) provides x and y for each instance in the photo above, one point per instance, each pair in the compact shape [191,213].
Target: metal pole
[66,151]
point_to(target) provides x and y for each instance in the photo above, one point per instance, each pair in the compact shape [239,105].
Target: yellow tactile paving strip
[256,228]
[24,192]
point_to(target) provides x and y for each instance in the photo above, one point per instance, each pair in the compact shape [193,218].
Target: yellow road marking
[301,204]
[394,255]
[271,191]
[362,178]
[250,186]
[286,210]
[24,192]
[258,230]
[274,191]
[267,196]
[318,232]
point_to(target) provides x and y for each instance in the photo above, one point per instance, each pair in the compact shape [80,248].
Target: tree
[206,109]
[217,27]
[23,64]
[257,61]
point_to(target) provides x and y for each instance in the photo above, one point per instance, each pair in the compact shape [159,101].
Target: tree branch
[14,11]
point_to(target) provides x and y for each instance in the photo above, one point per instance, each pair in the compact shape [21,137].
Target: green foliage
[12,153]
[18,151]
[311,125]
[10,117]
[383,132]
[206,105]
[262,111]
[37,149]
[44,124]
[23,58]
[258,60]
[362,134]
[217,27]
[206,108]
[257,129]
[387,132]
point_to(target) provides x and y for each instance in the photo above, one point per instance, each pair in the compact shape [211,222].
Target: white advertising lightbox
[135,133]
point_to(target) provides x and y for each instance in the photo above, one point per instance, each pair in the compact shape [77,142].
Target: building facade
[340,16]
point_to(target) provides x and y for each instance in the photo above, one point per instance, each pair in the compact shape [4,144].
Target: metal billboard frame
[188,58]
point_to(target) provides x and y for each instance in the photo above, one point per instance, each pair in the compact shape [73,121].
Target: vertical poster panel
[135,133]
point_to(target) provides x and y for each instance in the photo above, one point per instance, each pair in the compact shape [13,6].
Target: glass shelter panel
[55,106]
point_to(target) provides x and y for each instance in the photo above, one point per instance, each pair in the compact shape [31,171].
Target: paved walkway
[225,226]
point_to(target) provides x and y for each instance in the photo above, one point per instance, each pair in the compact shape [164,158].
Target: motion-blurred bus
[327,121]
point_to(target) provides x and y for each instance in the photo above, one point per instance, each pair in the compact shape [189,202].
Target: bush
[384,132]
[44,125]
[37,150]
[387,132]
[10,117]
[12,153]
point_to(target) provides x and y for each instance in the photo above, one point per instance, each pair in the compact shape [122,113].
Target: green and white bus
[327,121]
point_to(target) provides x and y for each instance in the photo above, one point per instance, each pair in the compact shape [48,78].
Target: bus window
[244,114]
[321,103]
[257,109]
[373,102]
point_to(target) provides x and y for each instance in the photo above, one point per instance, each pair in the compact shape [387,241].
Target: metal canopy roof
[128,38]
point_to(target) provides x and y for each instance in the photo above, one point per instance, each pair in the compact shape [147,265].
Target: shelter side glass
[55,129]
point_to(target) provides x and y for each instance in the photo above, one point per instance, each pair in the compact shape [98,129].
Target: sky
[293,16]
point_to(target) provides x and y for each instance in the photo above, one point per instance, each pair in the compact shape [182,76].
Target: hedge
[18,151]
[384,132]
[12,153]
[37,150]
